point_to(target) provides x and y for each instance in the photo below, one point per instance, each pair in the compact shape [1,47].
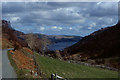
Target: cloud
[42,28]
[14,19]
[105,9]
[60,16]
[92,24]
[98,3]
[60,28]
[70,28]
[54,27]
[89,27]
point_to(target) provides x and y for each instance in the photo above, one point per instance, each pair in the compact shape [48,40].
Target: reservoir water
[60,45]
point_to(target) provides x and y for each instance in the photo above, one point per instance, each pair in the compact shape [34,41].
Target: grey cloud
[61,13]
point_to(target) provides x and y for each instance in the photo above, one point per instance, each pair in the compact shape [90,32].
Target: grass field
[71,70]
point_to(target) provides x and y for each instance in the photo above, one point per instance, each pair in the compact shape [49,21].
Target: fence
[55,77]
[39,71]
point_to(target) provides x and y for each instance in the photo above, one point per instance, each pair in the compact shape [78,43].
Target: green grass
[71,70]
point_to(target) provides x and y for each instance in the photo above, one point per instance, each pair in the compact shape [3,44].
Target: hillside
[71,70]
[21,58]
[10,36]
[25,62]
[101,44]
[61,38]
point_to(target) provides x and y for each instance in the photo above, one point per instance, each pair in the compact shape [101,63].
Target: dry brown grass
[22,61]
[28,50]
[5,43]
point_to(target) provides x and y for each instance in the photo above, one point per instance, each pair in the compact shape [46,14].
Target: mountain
[17,39]
[61,38]
[31,40]
[102,43]
[11,36]
[102,47]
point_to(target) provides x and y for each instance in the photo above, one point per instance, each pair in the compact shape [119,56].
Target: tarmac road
[7,69]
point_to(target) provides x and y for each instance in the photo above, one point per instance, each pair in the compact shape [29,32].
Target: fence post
[55,76]
[52,77]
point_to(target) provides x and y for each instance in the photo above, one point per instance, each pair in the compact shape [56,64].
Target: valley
[39,56]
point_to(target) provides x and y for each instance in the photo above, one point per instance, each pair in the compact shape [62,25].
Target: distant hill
[102,43]
[20,38]
[61,38]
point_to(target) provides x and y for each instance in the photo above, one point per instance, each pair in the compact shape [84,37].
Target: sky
[60,18]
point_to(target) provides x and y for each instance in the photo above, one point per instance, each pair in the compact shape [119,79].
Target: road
[0,63]
[7,69]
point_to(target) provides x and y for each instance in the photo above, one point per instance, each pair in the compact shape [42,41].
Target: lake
[60,45]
